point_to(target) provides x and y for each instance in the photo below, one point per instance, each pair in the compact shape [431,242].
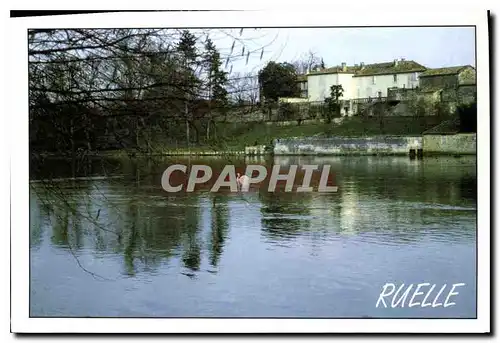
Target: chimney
[362,65]
[344,66]
[396,62]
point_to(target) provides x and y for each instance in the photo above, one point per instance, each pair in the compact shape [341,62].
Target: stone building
[449,77]
[451,86]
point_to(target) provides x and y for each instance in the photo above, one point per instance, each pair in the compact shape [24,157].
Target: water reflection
[468,187]
[219,228]
[284,215]
[146,225]
[130,228]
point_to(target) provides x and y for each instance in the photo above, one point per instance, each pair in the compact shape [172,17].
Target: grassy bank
[232,138]
[238,136]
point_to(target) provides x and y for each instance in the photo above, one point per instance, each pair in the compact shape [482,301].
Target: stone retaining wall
[376,145]
[461,144]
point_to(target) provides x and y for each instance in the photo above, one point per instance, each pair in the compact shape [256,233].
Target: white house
[363,81]
[320,81]
[358,82]
[373,80]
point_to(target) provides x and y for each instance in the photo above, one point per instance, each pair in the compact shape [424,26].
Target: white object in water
[244,182]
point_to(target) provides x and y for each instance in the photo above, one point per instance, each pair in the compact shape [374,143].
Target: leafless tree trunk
[307,62]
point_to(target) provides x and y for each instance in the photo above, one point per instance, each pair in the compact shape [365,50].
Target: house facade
[320,81]
[363,81]
[395,81]
[373,80]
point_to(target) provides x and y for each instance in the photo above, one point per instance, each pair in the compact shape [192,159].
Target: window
[395,78]
[379,94]
[373,80]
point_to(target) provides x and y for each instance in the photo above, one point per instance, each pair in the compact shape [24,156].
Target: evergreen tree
[216,81]
[333,102]
[187,48]
[188,55]
[278,80]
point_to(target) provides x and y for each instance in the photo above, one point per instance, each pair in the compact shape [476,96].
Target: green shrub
[287,111]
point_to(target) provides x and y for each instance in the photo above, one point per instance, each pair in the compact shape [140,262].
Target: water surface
[124,247]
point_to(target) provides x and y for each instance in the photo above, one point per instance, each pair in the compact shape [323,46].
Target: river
[120,246]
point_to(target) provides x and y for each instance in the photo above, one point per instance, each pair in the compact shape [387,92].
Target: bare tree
[135,78]
[244,88]
[123,85]
[308,61]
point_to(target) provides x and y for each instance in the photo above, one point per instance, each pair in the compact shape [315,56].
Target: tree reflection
[191,257]
[133,236]
[148,228]
[192,250]
[156,232]
[38,219]
[60,228]
[468,187]
[284,214]
[219,228]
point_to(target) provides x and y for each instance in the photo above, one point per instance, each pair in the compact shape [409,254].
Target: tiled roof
[444,71]
[387,68]
[335,70]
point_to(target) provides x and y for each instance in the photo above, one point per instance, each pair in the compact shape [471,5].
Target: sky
[432,47]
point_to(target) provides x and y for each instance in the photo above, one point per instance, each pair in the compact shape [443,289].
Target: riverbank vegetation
[144,91]
[108,89]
